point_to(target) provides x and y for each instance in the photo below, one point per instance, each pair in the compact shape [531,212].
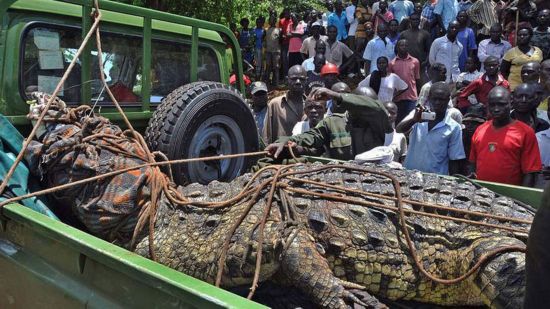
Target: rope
[403,224]
[160,184]
[97,15]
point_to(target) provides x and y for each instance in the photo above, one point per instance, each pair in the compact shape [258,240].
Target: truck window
[48,50]
[208,66]
[170,67]
[121,65]
[47,53]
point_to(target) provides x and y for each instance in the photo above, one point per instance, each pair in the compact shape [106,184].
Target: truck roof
[73,10]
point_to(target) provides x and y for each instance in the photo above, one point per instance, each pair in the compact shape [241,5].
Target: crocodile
[333,243]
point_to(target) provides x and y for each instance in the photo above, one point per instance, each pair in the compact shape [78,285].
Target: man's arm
[472,46]
[367,55]
[267,132]
[367,67]
[482,52]
[455,167]
[528,179]
[505,68]
[457,158]
[471,172]
[407,123]
[399,92]
[352,57]
[464,93]
[304,50]
[433,53]
[530,159]
[309,143]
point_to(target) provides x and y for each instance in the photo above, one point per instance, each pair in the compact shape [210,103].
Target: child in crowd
[259,37]
[465,78]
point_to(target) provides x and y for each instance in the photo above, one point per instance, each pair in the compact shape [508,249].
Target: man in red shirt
[408,68]
[481,86]
[503,149]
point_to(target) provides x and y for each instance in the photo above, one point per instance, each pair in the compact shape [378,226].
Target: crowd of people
[442,86]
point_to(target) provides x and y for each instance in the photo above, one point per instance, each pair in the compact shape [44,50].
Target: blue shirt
[467,38]
[448,9]
[340,22]
[401,9]
[430,151]
[260,116]
[464,5]
[376,49]
[259,33]
[428,11]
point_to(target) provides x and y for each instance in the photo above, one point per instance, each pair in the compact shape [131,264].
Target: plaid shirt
[428,11]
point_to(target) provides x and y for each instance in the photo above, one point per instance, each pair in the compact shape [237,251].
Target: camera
[427,116]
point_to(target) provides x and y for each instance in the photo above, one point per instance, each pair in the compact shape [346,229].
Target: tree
[225,11]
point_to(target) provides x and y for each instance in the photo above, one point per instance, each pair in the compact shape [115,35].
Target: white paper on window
[48,83]
[50,59]
[46,40]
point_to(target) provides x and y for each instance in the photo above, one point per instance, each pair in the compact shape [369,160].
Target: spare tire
[204,119]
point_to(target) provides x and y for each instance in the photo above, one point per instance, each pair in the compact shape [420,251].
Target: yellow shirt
[517,59]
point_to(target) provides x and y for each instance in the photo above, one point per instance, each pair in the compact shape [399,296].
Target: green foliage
[225,11]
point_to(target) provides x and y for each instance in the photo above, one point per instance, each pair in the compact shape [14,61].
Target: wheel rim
[218,135]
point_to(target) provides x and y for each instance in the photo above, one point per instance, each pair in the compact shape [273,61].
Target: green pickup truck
[149,57]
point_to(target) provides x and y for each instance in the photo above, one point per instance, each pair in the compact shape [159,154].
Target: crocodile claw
[362,299]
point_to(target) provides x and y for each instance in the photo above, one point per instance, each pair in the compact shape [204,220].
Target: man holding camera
[435,140]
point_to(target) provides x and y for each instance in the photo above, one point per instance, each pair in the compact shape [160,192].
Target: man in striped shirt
[484,14]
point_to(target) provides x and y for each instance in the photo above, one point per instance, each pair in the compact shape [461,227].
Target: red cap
[329,68]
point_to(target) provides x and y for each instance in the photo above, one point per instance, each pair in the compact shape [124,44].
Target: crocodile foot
[305,268]
[502,279]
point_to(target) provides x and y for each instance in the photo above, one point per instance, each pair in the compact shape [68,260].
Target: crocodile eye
[212,221]
[339,218]
[301,205]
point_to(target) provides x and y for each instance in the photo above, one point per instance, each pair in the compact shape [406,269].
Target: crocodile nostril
[317,221]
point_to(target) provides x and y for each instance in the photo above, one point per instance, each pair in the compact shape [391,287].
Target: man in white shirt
[308,45]
[447,50]
[380,46]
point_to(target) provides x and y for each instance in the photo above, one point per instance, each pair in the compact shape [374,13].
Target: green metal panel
[146,65]
[45,263]
[529,196]
[194,53]
[74,10]
[86,71]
